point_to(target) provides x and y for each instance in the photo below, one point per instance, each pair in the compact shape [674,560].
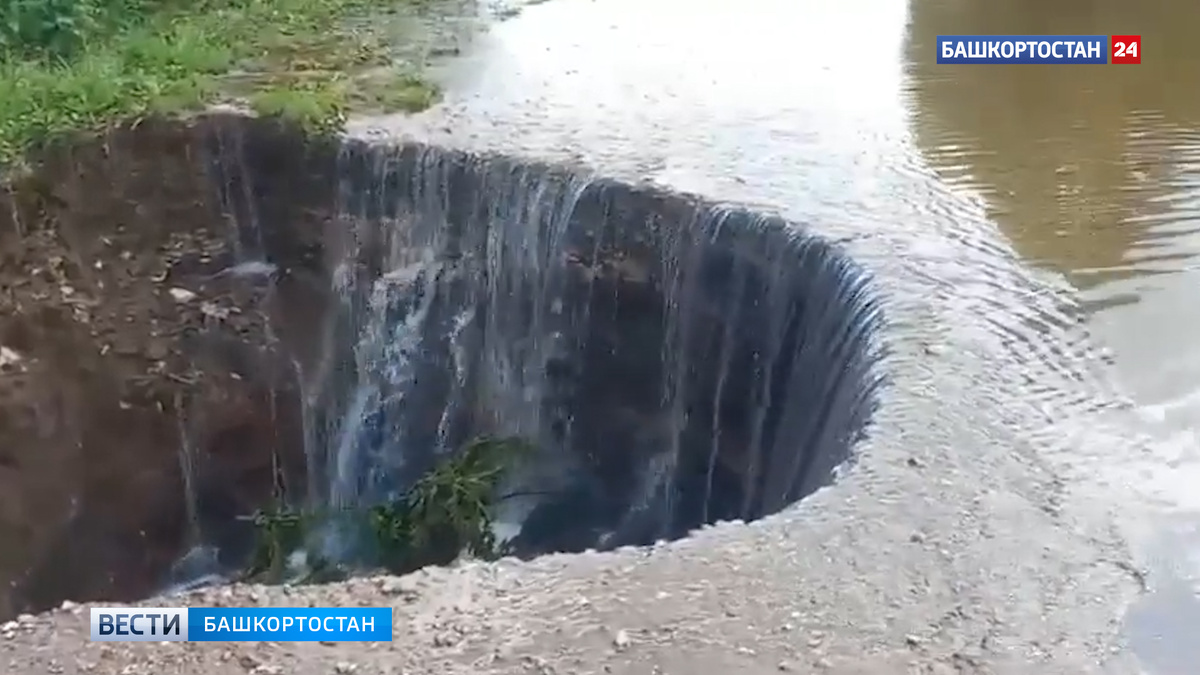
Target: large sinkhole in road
[199,314]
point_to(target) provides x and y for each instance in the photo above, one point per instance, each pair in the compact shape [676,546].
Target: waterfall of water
[674,362]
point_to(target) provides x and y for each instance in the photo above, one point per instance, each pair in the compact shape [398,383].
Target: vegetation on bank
[446,513]
[78,65]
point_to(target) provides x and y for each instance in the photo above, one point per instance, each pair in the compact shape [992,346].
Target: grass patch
[80,65]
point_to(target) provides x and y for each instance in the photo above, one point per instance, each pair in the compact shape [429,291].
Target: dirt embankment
[125,341]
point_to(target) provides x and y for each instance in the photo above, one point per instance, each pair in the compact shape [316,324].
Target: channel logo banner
[242,624]
[994,49]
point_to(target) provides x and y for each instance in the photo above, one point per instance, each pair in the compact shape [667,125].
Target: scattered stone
[182,295]
[621,640]
[345,668]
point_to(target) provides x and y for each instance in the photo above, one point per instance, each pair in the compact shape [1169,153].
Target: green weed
[445,513]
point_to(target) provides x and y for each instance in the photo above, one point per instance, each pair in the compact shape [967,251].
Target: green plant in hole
[279,533]
[446,512]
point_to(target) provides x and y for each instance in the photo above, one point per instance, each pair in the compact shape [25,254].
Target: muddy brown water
[1094,174]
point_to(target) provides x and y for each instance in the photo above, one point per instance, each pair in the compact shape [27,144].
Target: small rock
[621,640]
[8,357]
[9,626]
[785,667]
[403,586]
[182,295]
[214,310]
[345,668]
[266,670]
[445,639]
[68,606]
[745,651]
[912,640]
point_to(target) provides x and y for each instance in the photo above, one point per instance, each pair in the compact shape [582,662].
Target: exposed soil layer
[119,335]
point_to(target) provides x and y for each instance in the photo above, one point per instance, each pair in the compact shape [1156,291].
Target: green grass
[80,65]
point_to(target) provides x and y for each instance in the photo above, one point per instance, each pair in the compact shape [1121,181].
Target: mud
[125,348]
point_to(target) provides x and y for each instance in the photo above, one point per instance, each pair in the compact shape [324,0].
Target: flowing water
[1043,219]
[479,294]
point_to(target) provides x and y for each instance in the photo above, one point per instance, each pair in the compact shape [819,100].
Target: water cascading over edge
[675,362]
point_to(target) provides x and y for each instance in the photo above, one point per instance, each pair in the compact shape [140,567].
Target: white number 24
[1125,49]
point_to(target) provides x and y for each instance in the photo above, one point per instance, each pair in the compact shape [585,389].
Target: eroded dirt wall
[121,337]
